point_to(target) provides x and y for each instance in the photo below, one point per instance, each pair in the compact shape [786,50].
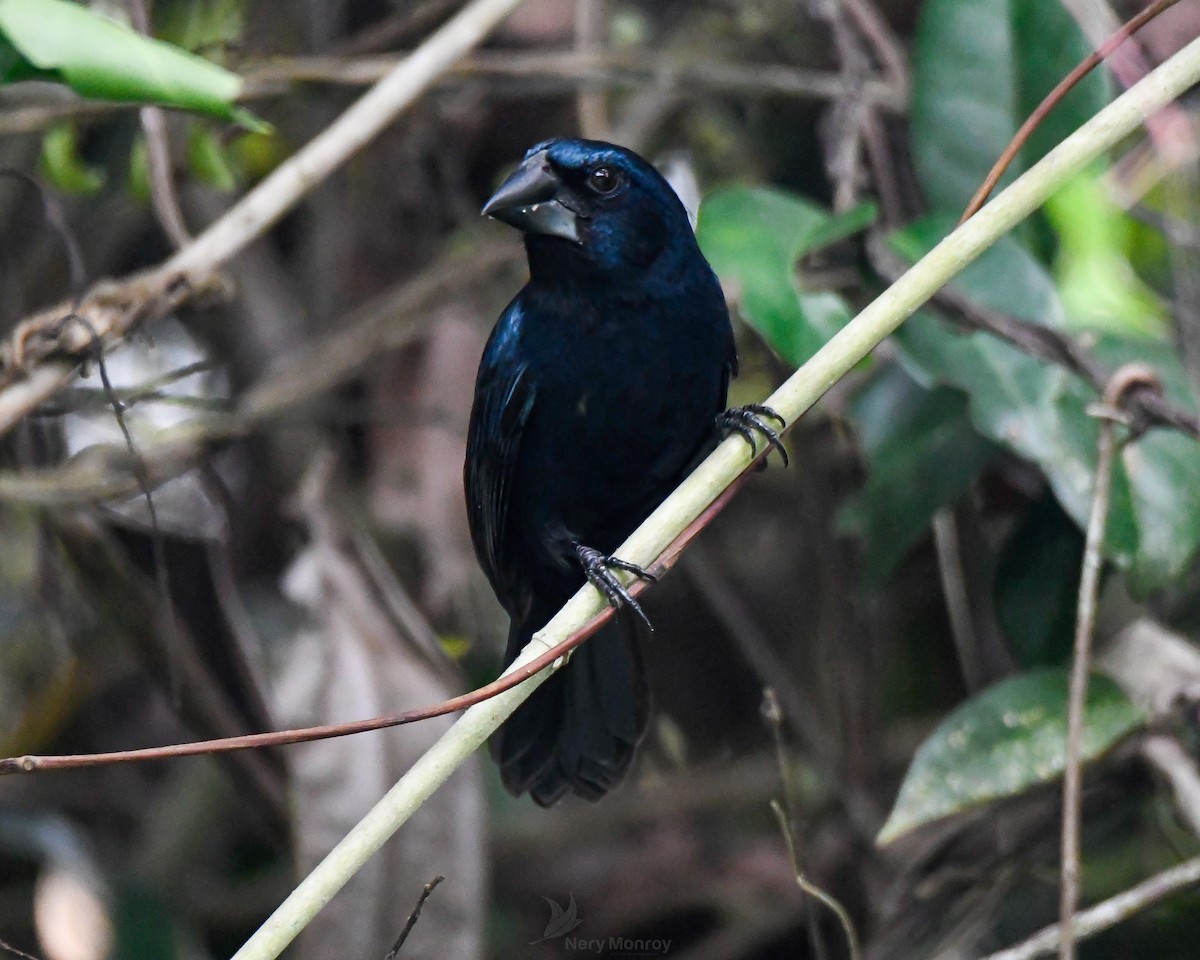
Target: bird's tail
[579,730]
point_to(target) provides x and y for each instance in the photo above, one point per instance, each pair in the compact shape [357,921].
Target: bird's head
[592,206]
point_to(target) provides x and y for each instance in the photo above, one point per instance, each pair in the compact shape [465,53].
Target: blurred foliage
[834,591]
[921,454]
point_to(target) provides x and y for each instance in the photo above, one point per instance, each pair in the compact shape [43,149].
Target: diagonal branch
[797,395]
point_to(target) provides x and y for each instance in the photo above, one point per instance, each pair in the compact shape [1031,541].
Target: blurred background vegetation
[908,588]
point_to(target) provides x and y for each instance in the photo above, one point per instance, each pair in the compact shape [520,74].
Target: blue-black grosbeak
[598,390]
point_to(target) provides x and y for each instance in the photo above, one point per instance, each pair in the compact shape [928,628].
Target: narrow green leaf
[1002,742]
[103,59]
[753,237]
[207,159]
[922,453]
[1095,278]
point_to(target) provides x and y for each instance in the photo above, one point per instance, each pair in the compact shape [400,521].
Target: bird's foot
[744,421]
[598,568]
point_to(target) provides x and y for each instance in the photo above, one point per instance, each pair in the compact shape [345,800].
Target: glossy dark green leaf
[753,237]
[1049,44]
[981,66]
[1002,742]
[100,58]
[922,453]
[1037,585]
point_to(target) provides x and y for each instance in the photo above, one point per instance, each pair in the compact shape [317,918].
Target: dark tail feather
[579,730]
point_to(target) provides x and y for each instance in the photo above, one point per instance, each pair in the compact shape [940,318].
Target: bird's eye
[604,180]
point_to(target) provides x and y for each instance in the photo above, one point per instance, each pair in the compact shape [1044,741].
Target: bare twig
[1123,381]
[31,372]
[158,154]
[1168,757]
[1109,913]
[413,917]
[787,816]
[591,18]
[547,73]
[958,598]
[410,20]
[162,183]
[887,49]
[9,948]
[738,619]
[847,120]
[1170,128]
[162,575]
[387,322]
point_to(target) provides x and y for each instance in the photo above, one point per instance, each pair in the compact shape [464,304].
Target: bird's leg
[744,421]
[598,568]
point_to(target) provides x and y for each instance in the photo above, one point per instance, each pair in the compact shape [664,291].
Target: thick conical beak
[528,201]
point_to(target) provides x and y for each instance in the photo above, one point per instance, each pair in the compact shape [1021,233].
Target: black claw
[744,421]
[599,568]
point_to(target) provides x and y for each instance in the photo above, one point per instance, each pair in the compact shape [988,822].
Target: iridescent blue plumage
[597,392]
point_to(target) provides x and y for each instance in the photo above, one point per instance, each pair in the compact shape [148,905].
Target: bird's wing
[503,401]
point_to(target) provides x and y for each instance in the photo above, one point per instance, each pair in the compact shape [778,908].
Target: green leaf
[981,67]
[1005,277]
[1037,585]
[1033,408]
[753,237]
[207,159]
[100,58]
[199,25]
[1039,411]
[1164,474]
[1002,742]
[63,165]
[1096,280]
[922,454]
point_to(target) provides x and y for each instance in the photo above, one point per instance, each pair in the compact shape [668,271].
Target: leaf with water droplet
[1002,742]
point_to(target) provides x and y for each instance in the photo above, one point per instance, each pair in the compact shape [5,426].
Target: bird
[602,384]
